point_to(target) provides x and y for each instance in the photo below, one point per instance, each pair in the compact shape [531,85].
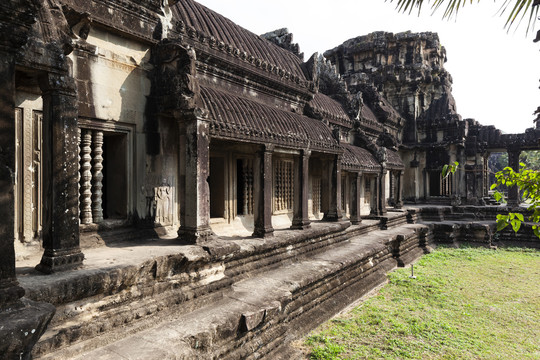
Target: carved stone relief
[160,200]
[163,203]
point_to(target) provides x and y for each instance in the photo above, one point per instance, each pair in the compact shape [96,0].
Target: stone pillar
[301,191]
[22,322]
[460,175]
[356,187]
[195,160]
[60,187]
[513,162]
[399,190]
[262,184]
[486,176]
[10,291]
[334,205]
[381,193]
[391,195]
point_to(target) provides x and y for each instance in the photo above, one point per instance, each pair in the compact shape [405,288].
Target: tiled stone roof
[331,110]
[220,28]
[358,159]
[394,161]
[238,118]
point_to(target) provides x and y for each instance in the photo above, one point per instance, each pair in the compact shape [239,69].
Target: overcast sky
[496,74]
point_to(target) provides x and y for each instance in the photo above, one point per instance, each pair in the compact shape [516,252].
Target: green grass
[469,303]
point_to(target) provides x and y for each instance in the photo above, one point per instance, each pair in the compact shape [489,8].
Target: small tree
[528,182]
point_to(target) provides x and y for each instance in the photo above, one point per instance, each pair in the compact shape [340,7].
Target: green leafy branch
[528,182]
[449,169]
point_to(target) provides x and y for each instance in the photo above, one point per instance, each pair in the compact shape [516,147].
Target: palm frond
[516,9]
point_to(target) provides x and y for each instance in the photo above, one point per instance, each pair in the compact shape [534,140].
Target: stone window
[283,185]
[446,185]
[103,184]
[343,192]
[439,186]
[316,195]
[367,190]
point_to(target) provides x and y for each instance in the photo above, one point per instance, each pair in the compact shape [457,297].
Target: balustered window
[316,195]
[283,185]
[343,192]
[447,185]
[102,175]
[439,186]
[244,190]
[367,190]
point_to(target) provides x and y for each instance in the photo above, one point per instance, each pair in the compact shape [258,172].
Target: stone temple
[173,185]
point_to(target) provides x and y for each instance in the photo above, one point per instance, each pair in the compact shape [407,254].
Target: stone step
[260,313]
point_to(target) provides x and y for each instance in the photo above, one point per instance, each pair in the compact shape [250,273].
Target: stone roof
[237,118]
[358,159]
[223,30]
[394,160]
[368,119]
[331,110]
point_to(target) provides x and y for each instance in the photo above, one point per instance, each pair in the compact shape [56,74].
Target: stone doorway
[217,185]
[28,169]
[114,176]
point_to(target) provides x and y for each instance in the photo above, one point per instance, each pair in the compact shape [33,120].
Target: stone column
[391,196]
[381,194]
[301,191]
[60,187]
[195,160]
[375,197]
[356,187]
[22,321]
[460,175]
[10,291]
[486,176]
[262,185]
[399,190]
[334,206]
[513,162]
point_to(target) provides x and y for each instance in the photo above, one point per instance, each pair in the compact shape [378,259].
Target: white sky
[496,74]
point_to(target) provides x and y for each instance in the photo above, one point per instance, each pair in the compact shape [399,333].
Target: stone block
[21,327]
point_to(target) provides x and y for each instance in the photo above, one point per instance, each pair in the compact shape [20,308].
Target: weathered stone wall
[112,76]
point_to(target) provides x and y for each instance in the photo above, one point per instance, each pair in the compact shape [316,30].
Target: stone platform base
[228,298]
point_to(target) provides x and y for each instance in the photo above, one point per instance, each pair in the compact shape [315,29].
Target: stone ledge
[21,328]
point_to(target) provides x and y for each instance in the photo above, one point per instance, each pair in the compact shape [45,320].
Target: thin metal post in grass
[412,272]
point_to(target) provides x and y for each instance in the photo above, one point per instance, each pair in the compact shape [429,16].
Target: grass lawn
[469,303]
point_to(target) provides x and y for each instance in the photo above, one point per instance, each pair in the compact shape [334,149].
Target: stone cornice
[136,18]
[231,72]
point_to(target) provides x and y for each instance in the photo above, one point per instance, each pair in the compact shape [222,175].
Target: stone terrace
[232,298]
[157,298]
